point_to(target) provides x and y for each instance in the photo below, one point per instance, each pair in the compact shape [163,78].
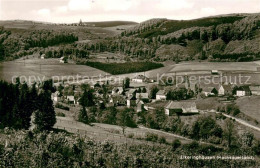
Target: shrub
[130,135]
[176,144]
[60,114]
[162,140]
[151,137]
[60,106]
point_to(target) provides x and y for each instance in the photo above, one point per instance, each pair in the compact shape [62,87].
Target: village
[143,94]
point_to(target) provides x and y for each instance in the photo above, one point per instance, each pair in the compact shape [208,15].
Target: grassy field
[44,68]
[250,106]
[221,66]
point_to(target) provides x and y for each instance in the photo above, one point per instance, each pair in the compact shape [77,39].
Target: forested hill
[221,38]
[234,37]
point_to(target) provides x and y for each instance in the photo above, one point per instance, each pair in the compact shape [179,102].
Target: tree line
[19,101]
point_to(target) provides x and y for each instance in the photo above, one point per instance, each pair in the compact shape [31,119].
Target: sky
[71,11]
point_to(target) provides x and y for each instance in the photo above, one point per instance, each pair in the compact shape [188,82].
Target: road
[238,120]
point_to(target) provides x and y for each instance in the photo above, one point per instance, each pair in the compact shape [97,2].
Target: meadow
[44,69]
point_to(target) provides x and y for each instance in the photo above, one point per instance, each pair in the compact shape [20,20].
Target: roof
[227,87]
[142,95]
[208,89]
[160,92]
[131,91]
[244,88]
[180,104]
[254,88]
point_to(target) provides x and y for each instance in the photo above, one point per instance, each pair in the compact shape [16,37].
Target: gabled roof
[160,92]
[180,104]
[244,88]
[131,91]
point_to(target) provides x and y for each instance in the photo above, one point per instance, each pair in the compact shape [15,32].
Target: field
[221,66]
[44,69]
[250,106]
[124,68]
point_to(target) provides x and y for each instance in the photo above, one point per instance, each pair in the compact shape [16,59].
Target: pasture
[250,106]
[45,69]
[208,66]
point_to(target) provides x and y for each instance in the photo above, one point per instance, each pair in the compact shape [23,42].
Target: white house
[210,91]
[62,60]
[43,56]
[243,91]
[140,79]
[160,95]
[71,99]
[55,96]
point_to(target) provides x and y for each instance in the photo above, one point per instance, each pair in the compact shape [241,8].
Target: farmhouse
[56,96]
[160,95]
[139,106]
[71,99]
[140,79]
[225,90]
[255,90]
[62,60]
[210,91]
[243,91]
[180,107]
[214,72]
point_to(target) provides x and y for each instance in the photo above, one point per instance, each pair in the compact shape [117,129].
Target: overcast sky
[67,11]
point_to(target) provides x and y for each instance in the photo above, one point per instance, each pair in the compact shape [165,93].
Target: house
[43,56]
[139,106]
[225,89]
[255,90]
[62,60]
[131,101]
[243,91]
[117,90]
[142,96]
[140,79]
[214,72]
[210,91]
[180,107]
[71,99]
[160,95]
[56,96]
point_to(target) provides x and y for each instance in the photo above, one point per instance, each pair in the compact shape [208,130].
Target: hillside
[234,37]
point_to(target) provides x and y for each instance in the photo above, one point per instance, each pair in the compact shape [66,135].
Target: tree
[126,83]
[87,99]
[125,119]
[229,132]
[153,92]
[83,116]
[45,117]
